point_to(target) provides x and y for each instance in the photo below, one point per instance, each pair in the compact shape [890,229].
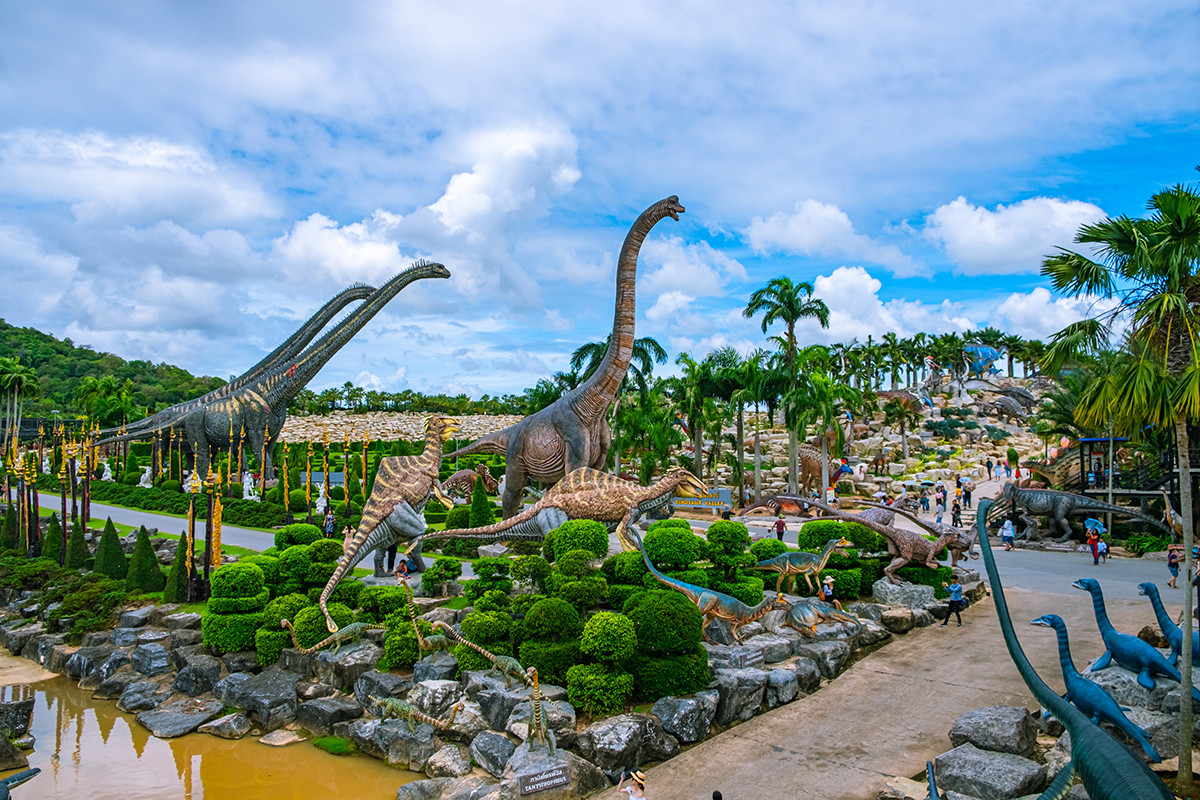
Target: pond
[89,749]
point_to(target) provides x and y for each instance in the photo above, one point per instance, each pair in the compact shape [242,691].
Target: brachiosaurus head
[1089,585]
[672,208]
[687,484]
[445,427]
[1047,621]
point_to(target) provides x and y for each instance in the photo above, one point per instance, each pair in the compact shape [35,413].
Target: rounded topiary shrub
[347,592]
[239,605]
[400,649]
[230,633]
[748,590]
[813,535]
[581,534]
[239,579]
[299,533]
[767,548]
[531,570]
[297,501]
[493,600]
[620,593]
[726,547]
[583,593]
[269,644]
[576,564]
[552,660]
[326,550]
[458,517]
[609,637]
[625,568]
[666,622]
[490,630]
[658,676]
[377,603]
[598,690]
[310,623]
[268,565]
[110,557]
[671,548]
[552,619]
[283,607]
[669,523]
[294,565]
[171,486]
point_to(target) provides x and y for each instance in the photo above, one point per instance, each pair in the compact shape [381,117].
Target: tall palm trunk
[824,465]
[1185,665]
[697,447]
[757,455]
[740,451]
[793,453]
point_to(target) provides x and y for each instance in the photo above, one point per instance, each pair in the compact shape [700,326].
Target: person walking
[966,498]
[347,537]
[1093,541]
[925,500]
[780,527]
[826,590]
[1007,534]
[941,509]
[988,465]
[956,600]
[637,786]
[956,514]
[330,523]
[1174,556]
[1102,548]
[1007,468]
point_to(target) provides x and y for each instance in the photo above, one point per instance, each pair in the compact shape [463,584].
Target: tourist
[347,537]
[1102,548]
[1174,556]
[780,527]
[1007,468]
[726,513]
[1093,541]
[826,590]
[1008,534]
[330,523]
[966,498]
[988,464]
[391,556]
[956,514]
[941,509]
[925,500]
[637,789]
[956,600]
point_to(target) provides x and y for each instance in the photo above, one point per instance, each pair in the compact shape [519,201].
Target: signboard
[719,499]
[546,779]
[741,657]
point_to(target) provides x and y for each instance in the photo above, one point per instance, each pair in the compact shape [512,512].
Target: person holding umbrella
[1095,529]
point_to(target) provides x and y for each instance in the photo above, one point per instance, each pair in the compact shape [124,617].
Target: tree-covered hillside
[61,366]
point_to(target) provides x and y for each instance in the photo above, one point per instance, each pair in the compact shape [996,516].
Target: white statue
[107,476]
[46,466]
[145,483]
[321,502]
[248,492]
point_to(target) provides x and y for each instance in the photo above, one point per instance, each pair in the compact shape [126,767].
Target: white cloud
[359,251]
[1038,314]
[668,305]
[1009,239]
[823,229]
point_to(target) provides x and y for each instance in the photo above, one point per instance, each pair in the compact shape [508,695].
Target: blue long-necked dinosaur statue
[1089,697]
[16,779]
[1170,630]
[1108,769]
[714,604]
[1128,651]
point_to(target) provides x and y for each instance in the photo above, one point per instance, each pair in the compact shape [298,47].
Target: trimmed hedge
[110,558]
[531,570]
[240,579]
[310,623]
[625,568]
[299,533]
[580,534]
[726,548]
[670,676]
[551,659]
[52,546]
[666,623]
[608,637]
[552,619]
[239,605]
[77,549]
[230,633]
[400,646]
[584,593]
[767,548]
[620,593]
[284,607]
[927,577]
[145,575]
[576,564]
[269,566]
[347,592]
[443,571]
[671,548]
[813,535]
[234,512]
[748,590]
[377,603]
[598,690]
[269,644]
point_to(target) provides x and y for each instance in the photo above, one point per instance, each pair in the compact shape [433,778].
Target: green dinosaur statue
[538,729]
[400,709]
[809,612]
[807,564]
[1108,769]
[425,644]
[508,667]
[714,604]
[340,636]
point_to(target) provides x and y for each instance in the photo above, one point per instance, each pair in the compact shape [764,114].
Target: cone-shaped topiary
[8,536]
[110,558]
[175,590]
[53,545]
[144,573]
[77,549]
[481,508]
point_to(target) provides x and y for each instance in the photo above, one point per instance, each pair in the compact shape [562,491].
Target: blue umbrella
[1095,525]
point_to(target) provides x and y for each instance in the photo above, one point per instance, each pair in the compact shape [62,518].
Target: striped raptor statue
[395,510]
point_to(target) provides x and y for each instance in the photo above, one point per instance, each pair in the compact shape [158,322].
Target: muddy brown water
[89,749]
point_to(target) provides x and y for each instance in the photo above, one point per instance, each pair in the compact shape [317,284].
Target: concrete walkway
[889,713]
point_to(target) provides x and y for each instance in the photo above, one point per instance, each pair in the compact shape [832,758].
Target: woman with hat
[827,592]
[636,790]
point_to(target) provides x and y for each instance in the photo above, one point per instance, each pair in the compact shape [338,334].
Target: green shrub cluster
[145,574]
[377,603]
[813,535]
[579,534]
[1142,543]
[234,512]
[443,571]
[491,630]
[52,547]
[531,570]
[551,631]
[310,623]
[672,547]
[110,558]
[78,554]
[927,577]
[271,638]
[239,595]
[298,533]
[491,574]
[598,690]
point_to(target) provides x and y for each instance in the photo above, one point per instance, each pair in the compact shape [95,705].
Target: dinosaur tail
[496,443]
[929,777]
[849,619]
[458,637]
[412,612]
[505,530]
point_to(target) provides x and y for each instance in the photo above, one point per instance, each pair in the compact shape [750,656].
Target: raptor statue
[573,432]
[1058,506]
[1108,769]
[962,546]
[394,511]
[809,612]
[587,494]
[716,605]
[259,408]
[290,348]
[462,483]
[339,637]
[800,563]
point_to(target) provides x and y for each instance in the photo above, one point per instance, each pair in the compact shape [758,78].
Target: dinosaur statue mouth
[1041,623]
[691,487]
[674,209]
[1142,590]
[1081,584]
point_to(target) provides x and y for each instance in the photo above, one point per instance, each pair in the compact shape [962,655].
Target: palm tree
[17,382]
[905,412]
[1012,346]
[893,348]
[1151,267]
[646,353]
[691,392]
[781,300]
[824,400]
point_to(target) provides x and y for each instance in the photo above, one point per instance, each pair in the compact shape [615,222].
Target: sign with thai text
[742,657]
[546,779]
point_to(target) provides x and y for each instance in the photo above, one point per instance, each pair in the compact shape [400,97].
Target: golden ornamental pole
[262,461]
[325,476]
[216,535]
[308,483]
[287,501]
[366,444]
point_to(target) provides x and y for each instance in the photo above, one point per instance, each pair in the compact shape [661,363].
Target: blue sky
[186,183]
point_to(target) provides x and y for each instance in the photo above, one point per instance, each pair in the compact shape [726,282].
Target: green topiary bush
[767,548]
[77,549]
[671,548]
[532,571]
[310,623]
[269,644]
[347,592]
[551,659]
[175,588]
[493,601]
[458,517]
[696,577]
[584,593]
[552,619]
[482,510]
[295,564]
[522,603]
[443,571]
[492,574]
[609,638]
[620,593]
[145,575]
[813,535]
[666,622]
[52,547]
[239,605]
[299,533]
[110,558]
[576,564]
[726,548]
[377,603]
[625,568]
[581,534]
[490,630]
[297,501]
[669,523]
[927,577]
[8,538]
[670,676]
[230,633]
[748,590]
[598,690]
[283,607]
[240,579]
[400,647]
[269,566]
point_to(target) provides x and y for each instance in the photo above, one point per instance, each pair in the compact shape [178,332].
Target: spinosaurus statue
[1108,770]
[572,432]
[259,408]
[586,494]
[800,563]
[713,604]
[1058,506]
[462,483]
[394,511]
[1089,697]
[164,419]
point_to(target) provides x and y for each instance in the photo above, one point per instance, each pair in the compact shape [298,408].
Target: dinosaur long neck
[680,585]
[431,456]
[1064,652]
[830,546]
[286,380]
[1101,613]
[1160,613]
[759,611]
[1044,694]
[592,398]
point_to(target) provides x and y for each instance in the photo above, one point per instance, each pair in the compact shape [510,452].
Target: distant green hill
[61,365]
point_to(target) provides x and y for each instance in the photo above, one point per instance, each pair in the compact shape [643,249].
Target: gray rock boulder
[440,666]
[988,776]
[180,655]
[314,690]
[905,594]
[774,647]
[270,698]
[373,683]
[123,637]
[428,789]
[11,756]
[688,719]
[782,687]
[136,618]
[114,686]
[436,698]
[922,617]
[229,689]
[182,716]
[1161,729]
[142,695]
[182,621]
[497,705]
[452,761]
[150,660]
[242,661]
[468,723]
[199,676]
[492,751]
[1123,686]
[830,657]
[343,668]
[740,693]
[320,715]
[1004,729]
[15,716]
[808,674]
[86,660]
[391,741]
[898,620]
[871,611]
[184,637]
[613,744]
[153,636]
[230,726]
[559,716]
[584,777]
[871,633]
